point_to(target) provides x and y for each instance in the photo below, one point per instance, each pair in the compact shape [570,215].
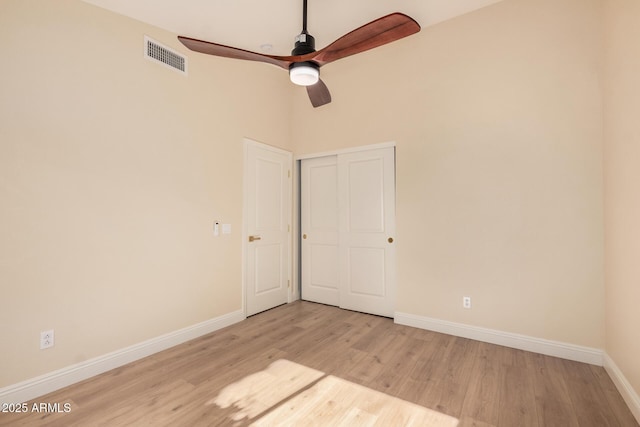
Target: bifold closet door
[348,230]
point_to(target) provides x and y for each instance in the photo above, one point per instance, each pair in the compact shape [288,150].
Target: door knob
[390,240]
[304,236]
[252,238]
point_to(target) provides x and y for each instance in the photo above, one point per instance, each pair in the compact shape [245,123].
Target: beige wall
[622,185]
[498,123]
[112,171]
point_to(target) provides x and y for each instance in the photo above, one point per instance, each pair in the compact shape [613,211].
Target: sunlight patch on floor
[256,393]
[290,394]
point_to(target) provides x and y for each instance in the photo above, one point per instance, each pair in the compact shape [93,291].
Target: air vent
[165,56]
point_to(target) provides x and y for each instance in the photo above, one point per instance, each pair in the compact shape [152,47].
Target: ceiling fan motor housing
[305,43]
[304,73]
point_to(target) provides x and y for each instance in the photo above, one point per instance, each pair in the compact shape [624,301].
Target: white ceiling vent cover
[168,57]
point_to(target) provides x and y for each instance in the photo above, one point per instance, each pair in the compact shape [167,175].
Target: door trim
[345,150]
[245,216]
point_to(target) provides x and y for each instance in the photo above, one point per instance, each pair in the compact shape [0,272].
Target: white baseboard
[522,342]
[47,383]
[629,395]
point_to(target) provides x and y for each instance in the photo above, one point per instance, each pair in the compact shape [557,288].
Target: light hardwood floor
[310,364]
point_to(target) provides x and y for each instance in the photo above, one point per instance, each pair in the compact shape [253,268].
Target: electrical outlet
[466,302]
[46,339]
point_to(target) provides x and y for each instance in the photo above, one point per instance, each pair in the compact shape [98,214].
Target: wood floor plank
[517,400]
[453,382]
[620,409]
[382,372]
[423,383]
[141,408]
[470,422]
[378,353]
[403,361]
[587,397]
[553,404]
[482,403]
[432,365]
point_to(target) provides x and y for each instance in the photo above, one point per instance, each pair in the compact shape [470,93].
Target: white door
[319,224]
[367,229]
[359,255]
[267,223]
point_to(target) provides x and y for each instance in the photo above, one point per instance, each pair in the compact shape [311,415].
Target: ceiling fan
[305,62]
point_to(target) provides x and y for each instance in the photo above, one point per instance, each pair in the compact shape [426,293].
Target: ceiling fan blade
[233,52]
[319,94]
[376,33]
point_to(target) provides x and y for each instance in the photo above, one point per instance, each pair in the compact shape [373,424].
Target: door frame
[245,216]
[296,285]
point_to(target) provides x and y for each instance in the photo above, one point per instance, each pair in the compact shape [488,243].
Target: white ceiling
[249,24]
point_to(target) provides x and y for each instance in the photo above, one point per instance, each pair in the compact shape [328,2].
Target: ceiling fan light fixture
[304,73]
[304,62]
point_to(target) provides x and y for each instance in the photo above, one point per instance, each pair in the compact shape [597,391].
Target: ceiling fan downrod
[304,16]
[305,43]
